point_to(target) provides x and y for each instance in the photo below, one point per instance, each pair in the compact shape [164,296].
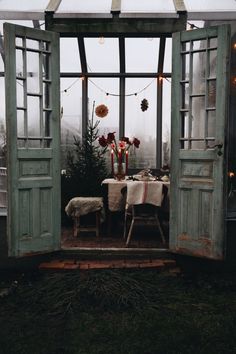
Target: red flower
[102,141]
[110,137]
[126,140]
[136,142]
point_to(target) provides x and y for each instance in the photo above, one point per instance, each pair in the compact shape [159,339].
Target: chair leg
[97,223]
[160,230]
[125,226]
[76,226]
[130,232]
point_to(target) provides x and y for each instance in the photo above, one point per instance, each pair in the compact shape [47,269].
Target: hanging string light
[160,78]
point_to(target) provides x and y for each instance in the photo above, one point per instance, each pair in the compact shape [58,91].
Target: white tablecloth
[140,191]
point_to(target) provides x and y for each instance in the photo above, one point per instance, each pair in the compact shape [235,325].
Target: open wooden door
[198,154]
[33,139]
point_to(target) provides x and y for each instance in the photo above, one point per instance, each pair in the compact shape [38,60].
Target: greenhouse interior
[117,125]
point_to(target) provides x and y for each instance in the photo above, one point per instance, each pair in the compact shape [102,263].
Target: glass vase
[119,170]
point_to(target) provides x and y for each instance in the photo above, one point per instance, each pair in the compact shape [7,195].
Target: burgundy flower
[110,137]
[136,142]
[103,141]
[126,140]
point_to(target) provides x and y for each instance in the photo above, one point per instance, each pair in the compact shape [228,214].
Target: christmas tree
[86,166]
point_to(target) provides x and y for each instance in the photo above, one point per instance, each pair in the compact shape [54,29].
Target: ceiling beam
[122,54]
[114,75]
[53,5]
[161,55]
[133,27]
[36,24]
[82,52]
[116,6]
[21,15]
[179,6]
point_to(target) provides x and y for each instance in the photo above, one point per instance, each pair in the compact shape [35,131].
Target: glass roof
[85,6]
[197,10]
[23,5]
[210,5]
[147,6]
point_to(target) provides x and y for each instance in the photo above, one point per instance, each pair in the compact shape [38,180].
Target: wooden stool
[80,206]
[87,228]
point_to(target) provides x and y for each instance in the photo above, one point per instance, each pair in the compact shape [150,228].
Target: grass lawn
[117,311]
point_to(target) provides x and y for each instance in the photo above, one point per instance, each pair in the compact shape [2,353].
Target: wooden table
[116,201]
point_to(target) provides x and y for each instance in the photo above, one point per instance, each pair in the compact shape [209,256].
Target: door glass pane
[212,63]
[213,42]
[185,95]
[19,93]
[33,72]
[141,124]
[20,123]
[198,117]
[33,113]
[199,44]
[198,80]
[185,66]
[211,93]
[19,63]
[211,124]
[184,125]
[32,44]
[19,41]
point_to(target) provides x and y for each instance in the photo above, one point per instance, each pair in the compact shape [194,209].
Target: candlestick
[126,162]
[119,156]
[112,161]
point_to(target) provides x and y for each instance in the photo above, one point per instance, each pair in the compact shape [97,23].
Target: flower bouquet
[119,153]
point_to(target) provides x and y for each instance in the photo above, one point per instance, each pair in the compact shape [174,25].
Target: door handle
[219,148]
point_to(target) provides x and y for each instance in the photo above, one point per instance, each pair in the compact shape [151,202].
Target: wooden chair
[142,214]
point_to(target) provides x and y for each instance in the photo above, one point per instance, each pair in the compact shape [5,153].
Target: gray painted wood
[198,171]
[34,160]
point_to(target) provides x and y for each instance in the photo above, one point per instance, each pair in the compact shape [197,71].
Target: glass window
[97,89]
[102,54]
[166,121]
[147,6]
[69,55]
[141,54]
[85,6]
[141,124]
[168,56]
[71,114]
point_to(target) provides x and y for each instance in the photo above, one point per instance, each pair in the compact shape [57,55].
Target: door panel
[33,137]
[198,130]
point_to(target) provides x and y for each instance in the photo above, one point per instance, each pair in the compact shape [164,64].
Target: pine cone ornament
[144,104]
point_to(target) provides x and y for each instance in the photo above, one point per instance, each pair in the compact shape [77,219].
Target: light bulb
[101,40]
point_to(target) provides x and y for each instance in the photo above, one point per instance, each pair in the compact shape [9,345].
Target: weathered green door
[33,139]
[198,133]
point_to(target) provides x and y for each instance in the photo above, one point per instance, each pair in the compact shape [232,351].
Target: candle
[119,156]
[126,162]
[112,161]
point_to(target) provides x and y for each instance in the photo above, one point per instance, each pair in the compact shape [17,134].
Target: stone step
[70,264]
